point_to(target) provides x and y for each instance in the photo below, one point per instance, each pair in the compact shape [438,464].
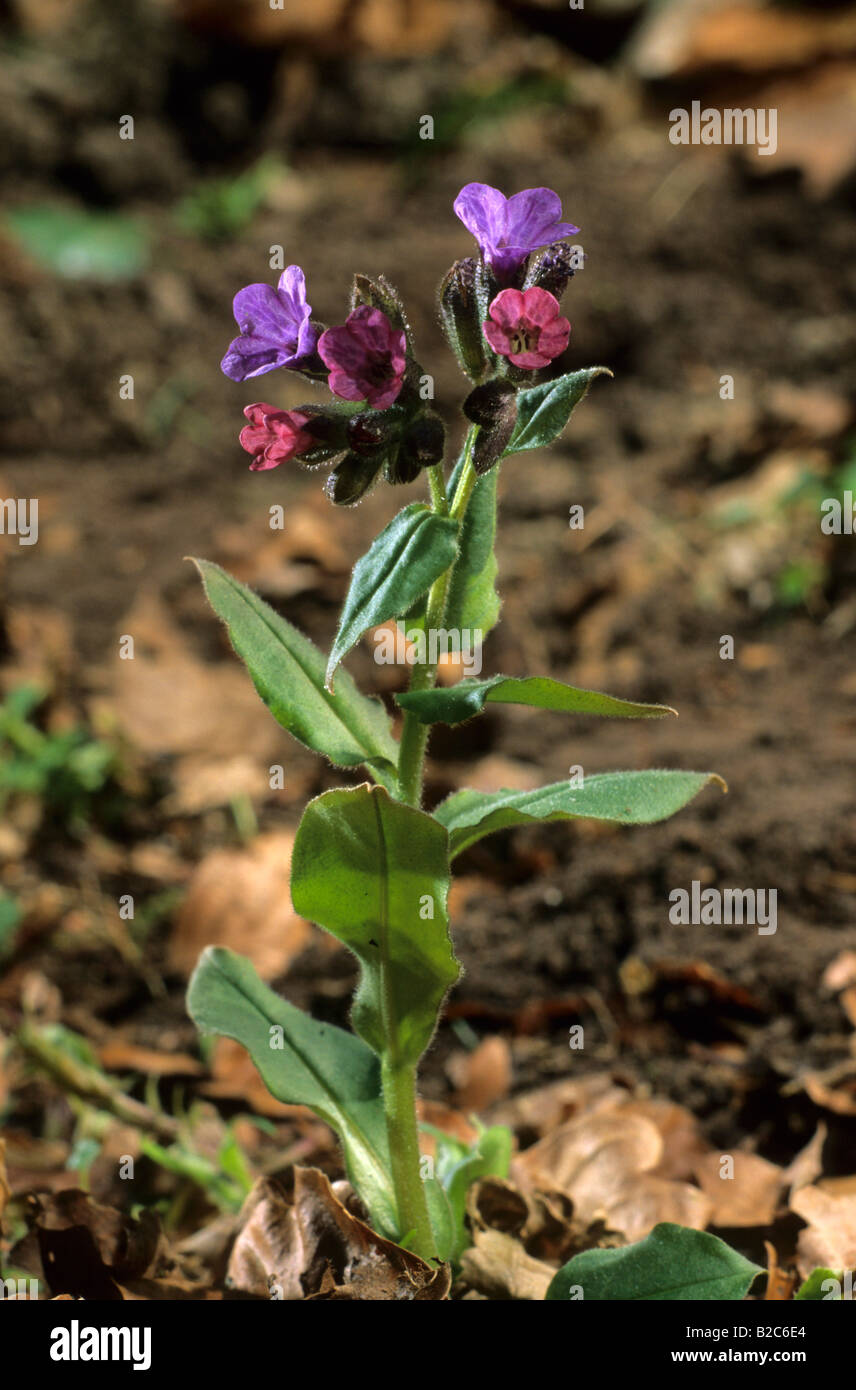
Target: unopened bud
[493,407]
[461,316]
[351,479]
[552,270]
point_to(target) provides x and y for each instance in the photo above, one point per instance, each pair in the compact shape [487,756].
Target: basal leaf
[456,703]
[628,798]
[673,1262]
[822,1285]
[543,411]
[302,1062]
[288,672]
[402,563]
[375,873]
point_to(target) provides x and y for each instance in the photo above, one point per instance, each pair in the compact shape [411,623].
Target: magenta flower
[508,229]
[526,327]
[273,436]
[275,327]
[366,357]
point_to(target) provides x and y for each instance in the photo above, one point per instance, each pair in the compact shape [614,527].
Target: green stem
[414,734]
[399,1080]
[399,1099]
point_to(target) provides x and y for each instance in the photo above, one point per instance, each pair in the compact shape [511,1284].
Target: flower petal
[482,211]
[534,219]
[508,308]
[540,307]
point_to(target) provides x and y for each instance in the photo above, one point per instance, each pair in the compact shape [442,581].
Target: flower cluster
[502,318]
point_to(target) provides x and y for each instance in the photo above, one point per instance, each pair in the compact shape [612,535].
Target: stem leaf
[543,411]
[627,798]
[456,703]
[375,873]
[302,1062]
[398,568]
[473,603]
[287,670]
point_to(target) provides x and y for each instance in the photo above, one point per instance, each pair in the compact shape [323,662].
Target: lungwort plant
[370,865]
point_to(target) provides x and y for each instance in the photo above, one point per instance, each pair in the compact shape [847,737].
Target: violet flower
[275,327]
[273,436]
[366,357]
[508,229]
[526,327]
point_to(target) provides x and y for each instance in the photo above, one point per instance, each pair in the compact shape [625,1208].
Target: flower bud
[425,440]
[370,431]
[380,294]
[552,270]
[351,479]
[461,317]
[493,407]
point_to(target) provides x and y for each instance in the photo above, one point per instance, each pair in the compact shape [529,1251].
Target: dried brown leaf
[241,899]
[497,1266]
[312,1247]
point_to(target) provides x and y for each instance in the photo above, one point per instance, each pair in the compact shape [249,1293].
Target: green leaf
[78,244]
[375,873]
[628,798]
[671,1263]
[473,603]
[812,1290]
[457,1166]
[543,411]
[288,673]
[402,563]
[459,702]
[306,1063]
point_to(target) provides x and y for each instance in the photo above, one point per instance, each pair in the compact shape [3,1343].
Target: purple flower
[275,327]
[366,357]
[507,229]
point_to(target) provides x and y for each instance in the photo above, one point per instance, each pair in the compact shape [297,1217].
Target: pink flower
[526,327]
[273,436]
[366,357]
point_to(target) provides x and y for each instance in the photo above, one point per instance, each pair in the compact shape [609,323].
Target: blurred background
[300,127]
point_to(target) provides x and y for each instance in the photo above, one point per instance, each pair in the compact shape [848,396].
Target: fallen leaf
[80,1247]
[829,1240]
[313,1247]
[808,1163]
[120,1055]
[480,1077]
[166,701]
[749,1198]
[840,972]
[605,1163]
[241,899]
[497,1266]
[547,1107]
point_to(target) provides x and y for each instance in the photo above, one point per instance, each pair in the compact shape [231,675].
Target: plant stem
[399,1080]
[414,735]
[399,1098]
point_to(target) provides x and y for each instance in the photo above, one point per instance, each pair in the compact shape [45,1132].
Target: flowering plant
[370,865]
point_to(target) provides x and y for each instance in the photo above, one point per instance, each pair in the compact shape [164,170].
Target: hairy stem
[399,1081]
[399,1099]
[414,735]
